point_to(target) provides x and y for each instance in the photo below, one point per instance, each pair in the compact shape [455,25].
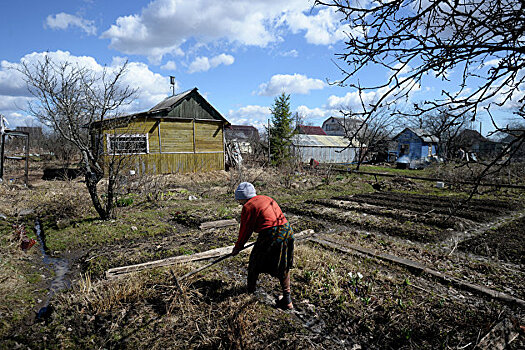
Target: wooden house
[415,147]
[245,136]
[183,133]
[472,141]
[310,130]
[337,126]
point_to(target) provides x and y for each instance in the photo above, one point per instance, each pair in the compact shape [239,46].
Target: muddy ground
[343,298]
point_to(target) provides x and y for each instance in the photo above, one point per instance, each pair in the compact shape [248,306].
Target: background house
[183,133]
[511,140]
[335,126]
[472,141]
[415,146]
[323,148]
[309,130]
[246,136]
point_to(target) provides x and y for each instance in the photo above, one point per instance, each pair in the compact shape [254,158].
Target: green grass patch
[132,225]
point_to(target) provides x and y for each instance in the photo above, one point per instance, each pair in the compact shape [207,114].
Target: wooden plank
[214,253]
[420,268]
[217,224]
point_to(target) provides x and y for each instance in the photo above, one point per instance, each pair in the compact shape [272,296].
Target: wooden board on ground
[209,254]
[217,224]
[420,268]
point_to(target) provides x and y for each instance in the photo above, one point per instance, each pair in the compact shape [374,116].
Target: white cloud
[164,25]
[18,119]
[64,20]
[290,84]
[11,81]
[353,100]
[313,113]
[222,59]
[153,87]
[203,64]
[254,115]
[258,116]
[170,65]
[323,28]
[291,53]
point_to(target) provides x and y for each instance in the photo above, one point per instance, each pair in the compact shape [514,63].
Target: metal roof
[311,130]
[321,141]
[171,101]
[422,134]
[162,110]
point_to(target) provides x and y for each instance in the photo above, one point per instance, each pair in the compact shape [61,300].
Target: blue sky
[240,54]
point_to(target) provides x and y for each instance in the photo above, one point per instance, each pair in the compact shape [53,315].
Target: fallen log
[420,268]
[217,224]
[209,254]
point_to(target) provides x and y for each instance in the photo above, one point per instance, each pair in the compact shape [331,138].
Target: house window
[405,149]
[128,144]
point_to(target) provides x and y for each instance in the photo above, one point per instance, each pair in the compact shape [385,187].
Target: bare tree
[445,126]
[63,150]
[482,39]
[69,97]
[371,137]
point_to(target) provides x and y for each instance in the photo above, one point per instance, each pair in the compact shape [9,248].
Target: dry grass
[148,311]
[105,296]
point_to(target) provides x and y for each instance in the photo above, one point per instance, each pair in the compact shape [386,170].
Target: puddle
[60,268]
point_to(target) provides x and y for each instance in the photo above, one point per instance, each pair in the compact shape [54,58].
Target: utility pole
[2,158]
[269,134]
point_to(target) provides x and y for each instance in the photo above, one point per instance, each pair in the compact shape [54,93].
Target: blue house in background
[415,147]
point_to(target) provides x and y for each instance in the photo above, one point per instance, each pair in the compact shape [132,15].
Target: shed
[416,146]
[244,135]
[183,133]
[324,148]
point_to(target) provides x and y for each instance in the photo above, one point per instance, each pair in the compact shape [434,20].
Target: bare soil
[342,298]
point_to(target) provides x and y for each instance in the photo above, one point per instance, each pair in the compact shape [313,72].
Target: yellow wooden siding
[138,127]
[171,163]
[208,137]
[176,152]
[176,136]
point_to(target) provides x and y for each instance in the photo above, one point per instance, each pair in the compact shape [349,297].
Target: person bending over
[273,250]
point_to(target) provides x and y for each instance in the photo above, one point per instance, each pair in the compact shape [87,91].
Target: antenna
[172,82]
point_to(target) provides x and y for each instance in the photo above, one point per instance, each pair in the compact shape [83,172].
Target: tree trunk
[92,179]
[91,184]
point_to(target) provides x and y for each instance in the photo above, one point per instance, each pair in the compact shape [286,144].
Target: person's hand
[235,251]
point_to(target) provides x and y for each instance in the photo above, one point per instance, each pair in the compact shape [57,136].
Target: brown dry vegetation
[342,298]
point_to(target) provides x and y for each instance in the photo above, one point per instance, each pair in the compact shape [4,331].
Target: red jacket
[259,213]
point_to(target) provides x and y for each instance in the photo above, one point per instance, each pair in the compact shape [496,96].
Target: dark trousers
[284,281]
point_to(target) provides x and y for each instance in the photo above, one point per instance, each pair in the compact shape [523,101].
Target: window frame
[113,152]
